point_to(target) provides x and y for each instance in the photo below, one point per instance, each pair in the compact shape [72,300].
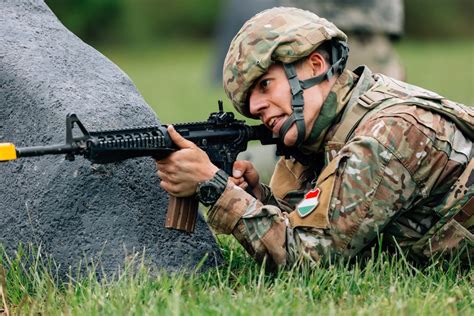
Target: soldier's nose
[257,105]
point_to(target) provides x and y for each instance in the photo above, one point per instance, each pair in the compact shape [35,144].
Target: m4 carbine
[222,137]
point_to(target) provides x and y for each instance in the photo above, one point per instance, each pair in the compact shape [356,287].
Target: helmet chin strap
[340,54]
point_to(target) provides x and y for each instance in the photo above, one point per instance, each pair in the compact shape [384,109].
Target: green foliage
[439,19]
[385,285]
[88,19]
[178,18]
[135,21]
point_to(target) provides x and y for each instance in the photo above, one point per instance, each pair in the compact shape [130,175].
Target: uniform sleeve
[260,229]
[371,181]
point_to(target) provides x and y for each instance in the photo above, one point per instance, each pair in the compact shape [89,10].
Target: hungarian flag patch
[309,203]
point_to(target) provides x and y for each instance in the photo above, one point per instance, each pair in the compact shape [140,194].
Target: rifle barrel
[263,134]
[44,150]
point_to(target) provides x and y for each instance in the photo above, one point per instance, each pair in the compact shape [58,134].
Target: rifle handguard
[222,137]
[182,213]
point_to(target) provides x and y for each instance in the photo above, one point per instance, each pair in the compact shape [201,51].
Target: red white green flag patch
[309,203]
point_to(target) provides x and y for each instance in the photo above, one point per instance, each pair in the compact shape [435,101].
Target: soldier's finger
[244,185]
[239,168]
[165,185]
[236,181]
[179,140]
[165,167]
[246,169]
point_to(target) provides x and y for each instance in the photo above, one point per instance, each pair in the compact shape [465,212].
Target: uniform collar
[331,110]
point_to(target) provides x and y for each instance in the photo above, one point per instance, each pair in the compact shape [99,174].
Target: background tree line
[135,21]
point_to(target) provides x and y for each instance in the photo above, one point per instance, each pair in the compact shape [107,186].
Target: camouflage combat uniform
[398,174]
[398,160]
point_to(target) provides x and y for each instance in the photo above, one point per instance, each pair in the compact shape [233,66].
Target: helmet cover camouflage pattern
[274,35]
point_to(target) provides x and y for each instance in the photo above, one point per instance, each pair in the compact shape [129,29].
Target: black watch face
[208,193]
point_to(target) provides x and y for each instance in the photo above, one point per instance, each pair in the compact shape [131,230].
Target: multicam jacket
[398,162]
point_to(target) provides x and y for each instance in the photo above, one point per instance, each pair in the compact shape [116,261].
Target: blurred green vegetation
[89,19]
[174,78]
[440,19]
[136,21]
[167,48]
[446,67]
[140,21]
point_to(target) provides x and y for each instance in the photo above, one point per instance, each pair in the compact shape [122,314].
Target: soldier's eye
[264,83]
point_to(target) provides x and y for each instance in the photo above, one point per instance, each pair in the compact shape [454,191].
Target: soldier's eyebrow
[265,76]
[257,81]
[260,79]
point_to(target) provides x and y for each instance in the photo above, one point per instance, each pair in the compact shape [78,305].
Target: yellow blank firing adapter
[7,151]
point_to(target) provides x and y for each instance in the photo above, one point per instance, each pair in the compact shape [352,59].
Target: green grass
[174,79]
[444,67]
[384,286]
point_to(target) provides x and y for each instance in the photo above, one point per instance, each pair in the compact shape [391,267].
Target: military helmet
[279,34]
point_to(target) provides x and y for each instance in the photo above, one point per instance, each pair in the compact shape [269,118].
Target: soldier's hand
[246,176]
[181,171]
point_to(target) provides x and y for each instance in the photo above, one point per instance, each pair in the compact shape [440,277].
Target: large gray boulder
[76,210]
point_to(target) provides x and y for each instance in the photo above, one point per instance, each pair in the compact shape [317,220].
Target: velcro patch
[318,216]
[309,203]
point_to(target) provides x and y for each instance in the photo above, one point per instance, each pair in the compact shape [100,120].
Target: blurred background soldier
[371,25]
[232,16]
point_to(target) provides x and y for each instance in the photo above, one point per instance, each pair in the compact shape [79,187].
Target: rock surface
[76,210]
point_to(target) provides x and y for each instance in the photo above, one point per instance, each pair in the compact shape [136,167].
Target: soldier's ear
[318,63]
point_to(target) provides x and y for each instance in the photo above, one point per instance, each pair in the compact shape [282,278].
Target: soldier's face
[270,101]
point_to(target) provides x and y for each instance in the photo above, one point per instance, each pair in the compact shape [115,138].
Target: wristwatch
[208,192]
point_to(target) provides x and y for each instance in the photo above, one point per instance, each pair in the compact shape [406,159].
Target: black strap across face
[339,53]
[297,104]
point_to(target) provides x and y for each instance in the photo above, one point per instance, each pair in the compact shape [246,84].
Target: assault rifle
[222,137]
